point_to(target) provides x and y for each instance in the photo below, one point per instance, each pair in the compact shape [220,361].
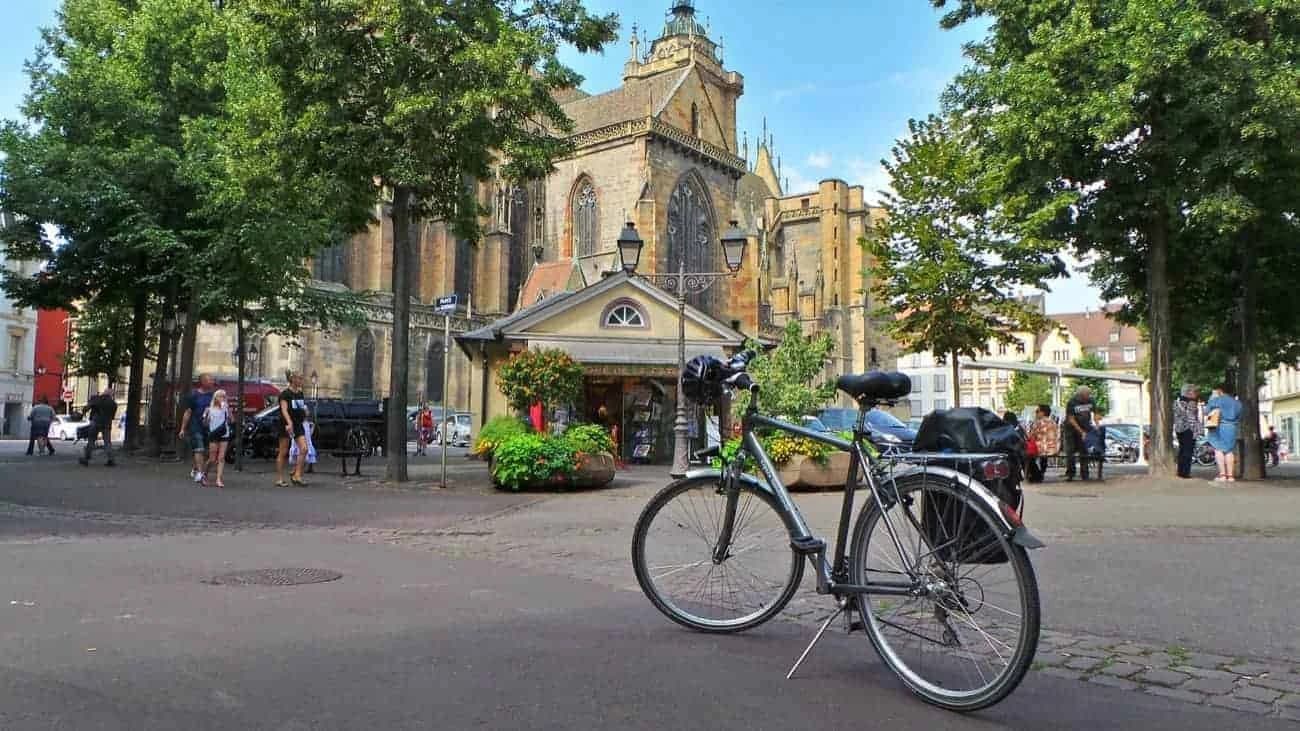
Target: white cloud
[793,91]
[872,176]
[798,182]
[819,160]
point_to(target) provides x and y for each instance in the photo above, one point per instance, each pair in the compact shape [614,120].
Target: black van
[339,424]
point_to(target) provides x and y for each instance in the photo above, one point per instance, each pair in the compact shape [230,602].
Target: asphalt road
[129,637]
[106,621]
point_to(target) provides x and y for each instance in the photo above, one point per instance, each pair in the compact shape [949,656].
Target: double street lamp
[681,284]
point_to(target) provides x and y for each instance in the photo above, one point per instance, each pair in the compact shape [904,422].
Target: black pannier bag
[969,430]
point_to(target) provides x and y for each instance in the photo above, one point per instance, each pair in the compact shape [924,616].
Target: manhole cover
[276,577]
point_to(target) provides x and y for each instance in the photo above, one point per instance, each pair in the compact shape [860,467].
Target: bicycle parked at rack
[936,568]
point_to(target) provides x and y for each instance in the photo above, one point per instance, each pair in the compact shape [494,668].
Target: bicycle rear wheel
[967,640]
[673,554]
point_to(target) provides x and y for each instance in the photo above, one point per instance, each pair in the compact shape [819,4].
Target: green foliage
[789,373]
[548,376]
[588,439]
[949,256]
[497,430]
[1028,389]
[532,459]
[1100,387]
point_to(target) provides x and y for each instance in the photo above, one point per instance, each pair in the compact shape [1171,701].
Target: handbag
[1212,419]
[1031,448]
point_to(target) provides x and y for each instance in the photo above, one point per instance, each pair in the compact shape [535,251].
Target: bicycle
[721,551]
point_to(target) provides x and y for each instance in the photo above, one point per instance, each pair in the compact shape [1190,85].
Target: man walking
[102,409]
[41,418]
[1187,424]
[194,431]
[1078,422]
[1272,445]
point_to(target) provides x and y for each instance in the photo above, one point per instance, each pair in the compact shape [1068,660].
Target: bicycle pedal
[808,546]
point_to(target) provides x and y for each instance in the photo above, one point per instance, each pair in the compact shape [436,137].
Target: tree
[1100,387]
[546,376]
[1152,133]
[1028,389]
[792,374]
[947,262]
[418,98]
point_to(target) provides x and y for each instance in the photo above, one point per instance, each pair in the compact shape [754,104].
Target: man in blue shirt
[194,430]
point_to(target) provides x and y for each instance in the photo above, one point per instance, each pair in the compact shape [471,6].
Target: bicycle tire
[1013,557]
[650,585]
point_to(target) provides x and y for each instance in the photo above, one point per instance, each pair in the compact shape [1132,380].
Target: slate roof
[545,280]
[635,99]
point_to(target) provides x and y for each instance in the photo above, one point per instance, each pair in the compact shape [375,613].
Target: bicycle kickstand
[843,605]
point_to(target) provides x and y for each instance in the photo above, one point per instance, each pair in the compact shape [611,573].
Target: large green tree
[948,260]
[1028,389]
[1100,387]
[418,98]
[1155,133]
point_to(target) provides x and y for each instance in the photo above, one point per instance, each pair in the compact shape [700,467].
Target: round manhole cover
[276,577]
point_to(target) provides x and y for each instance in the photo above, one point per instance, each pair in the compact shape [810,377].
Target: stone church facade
[662,151]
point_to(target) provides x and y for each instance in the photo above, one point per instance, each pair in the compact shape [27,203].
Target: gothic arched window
[586,214]
[520,245]
[330,263]
[691,230]
[363,367]
[433,367]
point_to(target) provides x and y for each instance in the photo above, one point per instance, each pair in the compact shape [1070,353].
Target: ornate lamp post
[682,283]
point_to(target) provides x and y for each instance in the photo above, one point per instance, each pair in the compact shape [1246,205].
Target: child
[308,427]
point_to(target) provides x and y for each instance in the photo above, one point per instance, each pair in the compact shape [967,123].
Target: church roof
[635,99]
[764,169]
[682,22]
[547,280]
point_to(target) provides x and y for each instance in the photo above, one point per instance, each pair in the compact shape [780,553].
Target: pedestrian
[193,432]
[41,418]
[102,408]
[291,429]
[1222,414]
[1045,435]
[1095,441]
[423,429]
[1078,422]
[1272,445]
[1187,426]
[220,430]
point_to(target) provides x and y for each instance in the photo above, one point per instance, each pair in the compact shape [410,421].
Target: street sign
[68,395]
[445,303]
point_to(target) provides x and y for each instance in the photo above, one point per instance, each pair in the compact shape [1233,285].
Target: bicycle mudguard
[1018,534]
[717,475]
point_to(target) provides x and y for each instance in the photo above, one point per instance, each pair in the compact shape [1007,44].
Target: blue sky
[836,81]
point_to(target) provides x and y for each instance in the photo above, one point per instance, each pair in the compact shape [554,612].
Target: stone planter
[804,473]
[593,470]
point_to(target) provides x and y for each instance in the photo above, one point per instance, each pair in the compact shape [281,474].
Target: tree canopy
[792,374]
[948,257]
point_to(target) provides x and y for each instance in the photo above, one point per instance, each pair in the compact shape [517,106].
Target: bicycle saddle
[875,385]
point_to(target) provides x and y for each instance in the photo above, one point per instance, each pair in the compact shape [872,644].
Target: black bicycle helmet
[702,379]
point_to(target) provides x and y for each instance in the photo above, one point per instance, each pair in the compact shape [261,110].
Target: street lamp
[681,284]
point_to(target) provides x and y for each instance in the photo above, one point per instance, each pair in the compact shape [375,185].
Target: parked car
[65,426]
[460,426]
[1122,442]
[340,423]
[887,432]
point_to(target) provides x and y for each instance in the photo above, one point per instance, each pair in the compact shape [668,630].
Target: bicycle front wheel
[681,572]
[966,638]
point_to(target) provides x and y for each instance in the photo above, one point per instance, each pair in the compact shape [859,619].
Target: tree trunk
[132,438]
[185,363]
[956,382]
[158,395]
[397,375]
[1161,457]
[1252,466]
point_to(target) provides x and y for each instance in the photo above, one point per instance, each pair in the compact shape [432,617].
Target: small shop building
[624,332]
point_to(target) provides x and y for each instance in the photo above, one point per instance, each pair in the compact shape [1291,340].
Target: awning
[612,351]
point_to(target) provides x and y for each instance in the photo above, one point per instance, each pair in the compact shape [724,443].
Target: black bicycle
[936,568]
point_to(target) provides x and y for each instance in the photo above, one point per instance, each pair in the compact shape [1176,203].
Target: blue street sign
[446,303]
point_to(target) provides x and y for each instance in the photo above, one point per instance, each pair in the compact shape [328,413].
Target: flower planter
[804,473]
[592,471]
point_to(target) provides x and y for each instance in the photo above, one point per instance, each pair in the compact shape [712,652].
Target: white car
[65,427]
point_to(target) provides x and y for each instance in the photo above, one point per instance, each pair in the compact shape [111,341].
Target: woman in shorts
[220,429]
[290,429]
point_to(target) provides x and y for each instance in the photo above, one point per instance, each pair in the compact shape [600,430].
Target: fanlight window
[624,316]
